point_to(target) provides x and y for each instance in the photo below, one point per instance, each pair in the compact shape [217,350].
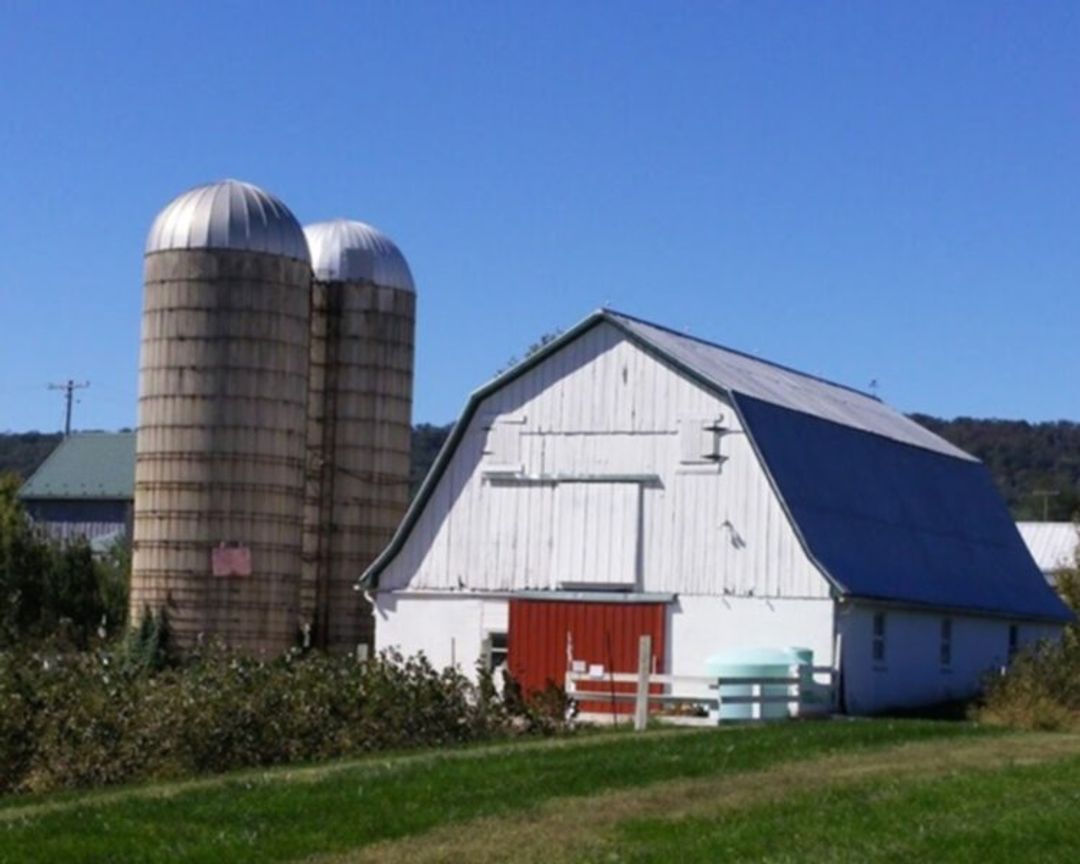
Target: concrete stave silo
[359,421]
[221,443]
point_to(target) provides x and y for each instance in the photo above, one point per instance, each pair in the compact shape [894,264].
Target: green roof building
[85,488]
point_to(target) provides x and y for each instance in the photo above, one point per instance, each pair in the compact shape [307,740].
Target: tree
[50,589]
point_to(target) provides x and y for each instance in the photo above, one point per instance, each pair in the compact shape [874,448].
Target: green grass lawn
[1017,813]
[370,807]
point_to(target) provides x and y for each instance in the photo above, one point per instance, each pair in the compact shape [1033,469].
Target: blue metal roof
[896,522]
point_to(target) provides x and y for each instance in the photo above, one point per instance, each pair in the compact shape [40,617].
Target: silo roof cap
[343,250]
[229,214]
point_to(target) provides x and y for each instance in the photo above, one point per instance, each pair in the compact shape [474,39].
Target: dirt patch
[565,828]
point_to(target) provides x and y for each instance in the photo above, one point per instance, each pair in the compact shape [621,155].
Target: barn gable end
[601,466]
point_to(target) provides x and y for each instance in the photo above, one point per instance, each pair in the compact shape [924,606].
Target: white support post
[641,704]
[834,679]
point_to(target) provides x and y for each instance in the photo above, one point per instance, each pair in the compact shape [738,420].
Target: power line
[69,387]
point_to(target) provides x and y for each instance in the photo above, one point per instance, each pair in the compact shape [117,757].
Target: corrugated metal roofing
[348,251]
[740,373]
[1053,545]
[229,214]
[888,510]
[86,465]
[898,523]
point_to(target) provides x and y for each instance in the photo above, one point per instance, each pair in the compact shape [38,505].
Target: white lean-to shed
[627,479]
[1054,545]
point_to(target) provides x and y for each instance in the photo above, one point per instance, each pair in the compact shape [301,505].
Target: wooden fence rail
[804,696]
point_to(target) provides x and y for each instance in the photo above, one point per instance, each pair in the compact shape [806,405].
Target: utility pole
[69,387]
[1046,495]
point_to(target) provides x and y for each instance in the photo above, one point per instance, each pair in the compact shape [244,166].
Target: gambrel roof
[887,510]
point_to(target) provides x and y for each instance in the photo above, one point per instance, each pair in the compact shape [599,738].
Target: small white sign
[596,670]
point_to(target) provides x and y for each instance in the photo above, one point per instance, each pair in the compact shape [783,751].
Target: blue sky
[883,191]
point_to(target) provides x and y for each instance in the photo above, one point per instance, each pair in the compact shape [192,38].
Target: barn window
[1014,640]
[495,651]
[946,642]
[699,440]
[878,648]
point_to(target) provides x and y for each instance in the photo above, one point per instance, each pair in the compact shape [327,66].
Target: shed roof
[1053,545]
[86,465]
[886,509]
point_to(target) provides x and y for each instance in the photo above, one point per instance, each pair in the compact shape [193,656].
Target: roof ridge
[791,369]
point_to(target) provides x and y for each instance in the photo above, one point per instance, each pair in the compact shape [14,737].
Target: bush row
[1041,689]
[93,718]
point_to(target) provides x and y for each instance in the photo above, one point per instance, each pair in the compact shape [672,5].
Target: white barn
[628,478]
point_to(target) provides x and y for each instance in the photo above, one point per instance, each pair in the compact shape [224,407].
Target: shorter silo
[221,443]
[359,421]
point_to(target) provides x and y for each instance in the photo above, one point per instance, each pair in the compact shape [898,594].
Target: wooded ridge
[1035,465]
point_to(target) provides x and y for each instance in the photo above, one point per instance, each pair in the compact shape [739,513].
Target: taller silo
[362,326]
[220,448]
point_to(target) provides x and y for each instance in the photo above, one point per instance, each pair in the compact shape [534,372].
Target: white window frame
[496,656]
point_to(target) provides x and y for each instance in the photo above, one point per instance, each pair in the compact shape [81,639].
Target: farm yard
[864,790]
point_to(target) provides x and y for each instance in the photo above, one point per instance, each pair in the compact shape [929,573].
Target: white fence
[701,699]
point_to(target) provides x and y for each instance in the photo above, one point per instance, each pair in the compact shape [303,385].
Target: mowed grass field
[870,790]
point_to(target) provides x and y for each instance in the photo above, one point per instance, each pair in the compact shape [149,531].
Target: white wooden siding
[595,534]
[602,406]
[911,672]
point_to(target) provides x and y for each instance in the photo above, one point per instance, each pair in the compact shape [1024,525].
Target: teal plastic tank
[756,663]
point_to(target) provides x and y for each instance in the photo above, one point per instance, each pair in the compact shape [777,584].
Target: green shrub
[1041,689]
[76,719]
[56,591]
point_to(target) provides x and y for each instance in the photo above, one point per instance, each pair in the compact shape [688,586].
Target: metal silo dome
[229,214]
[343,250]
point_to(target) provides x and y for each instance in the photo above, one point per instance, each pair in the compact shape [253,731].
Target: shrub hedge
[1041,689]
[80,719]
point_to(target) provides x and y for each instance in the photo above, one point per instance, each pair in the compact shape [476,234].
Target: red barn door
[604,634]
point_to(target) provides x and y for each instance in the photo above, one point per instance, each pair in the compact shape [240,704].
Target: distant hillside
[426,442]
[22,452]
[1024,458]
